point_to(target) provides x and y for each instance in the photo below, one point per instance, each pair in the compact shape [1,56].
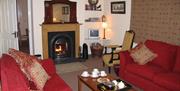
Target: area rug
[70,67]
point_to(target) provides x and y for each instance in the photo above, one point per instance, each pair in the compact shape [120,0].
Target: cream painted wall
[83,14]
[118,23]
[38,18]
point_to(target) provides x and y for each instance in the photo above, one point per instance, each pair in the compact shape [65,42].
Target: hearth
[61,46]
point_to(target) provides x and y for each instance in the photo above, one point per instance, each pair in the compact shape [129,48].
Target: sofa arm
[125,59]
[49,66]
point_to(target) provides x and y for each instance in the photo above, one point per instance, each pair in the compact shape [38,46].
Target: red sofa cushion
[166,53]
[49,66]
[12,77]
[55,83]
[168,80]
[177,64]
[146,71]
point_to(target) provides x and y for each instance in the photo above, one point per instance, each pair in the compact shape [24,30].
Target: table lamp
[104,25]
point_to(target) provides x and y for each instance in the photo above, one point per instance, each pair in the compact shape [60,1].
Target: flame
[58,49]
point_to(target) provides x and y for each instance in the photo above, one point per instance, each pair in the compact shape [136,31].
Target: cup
[85,74]
[115,82]
[103,73]
[121,85]
[94,74]
[96,70]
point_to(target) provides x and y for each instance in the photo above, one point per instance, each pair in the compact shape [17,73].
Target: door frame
[30,27]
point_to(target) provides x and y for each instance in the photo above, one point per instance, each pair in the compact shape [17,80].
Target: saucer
[103,75]
[85,75]
[94,76]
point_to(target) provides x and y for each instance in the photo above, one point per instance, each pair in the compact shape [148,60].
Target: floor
[71,78]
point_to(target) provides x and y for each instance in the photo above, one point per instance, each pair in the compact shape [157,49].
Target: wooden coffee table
[90,82]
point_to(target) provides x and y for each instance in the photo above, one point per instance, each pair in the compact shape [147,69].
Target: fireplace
[60,41]
[61,46]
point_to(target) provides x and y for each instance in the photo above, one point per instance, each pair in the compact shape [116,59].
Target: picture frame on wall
[118,7]
[93,33]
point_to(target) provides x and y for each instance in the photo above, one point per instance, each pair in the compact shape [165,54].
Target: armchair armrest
[125,59]
[49,66]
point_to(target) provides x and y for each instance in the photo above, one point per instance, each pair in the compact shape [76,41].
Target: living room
[154,23]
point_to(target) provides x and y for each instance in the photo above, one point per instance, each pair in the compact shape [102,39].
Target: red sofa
[161,74]
[12,79]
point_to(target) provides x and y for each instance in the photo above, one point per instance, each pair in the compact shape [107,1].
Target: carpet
[70,67]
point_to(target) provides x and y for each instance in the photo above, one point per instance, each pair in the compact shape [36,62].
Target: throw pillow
[22,59]
[37,74]
[142,55]
[30,65]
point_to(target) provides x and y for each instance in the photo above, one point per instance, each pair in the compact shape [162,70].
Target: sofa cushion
[168,80]
[31,67]
[147,71]
[49,66]
[12,77]
[55,83]
[37,74]
[141,54]
[177,64]
[166,53]
[22,59]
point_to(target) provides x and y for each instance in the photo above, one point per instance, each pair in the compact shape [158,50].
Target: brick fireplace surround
[59,28]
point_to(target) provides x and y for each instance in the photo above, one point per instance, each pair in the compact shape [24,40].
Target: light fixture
[104,25]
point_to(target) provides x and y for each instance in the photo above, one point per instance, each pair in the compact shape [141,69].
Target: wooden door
[8,25]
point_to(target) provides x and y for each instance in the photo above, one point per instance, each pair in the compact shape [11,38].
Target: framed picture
[93,33]
[118,7]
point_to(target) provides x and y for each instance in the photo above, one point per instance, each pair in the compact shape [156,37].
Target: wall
[156,20]
[82,15]
[38,18]
[118,23]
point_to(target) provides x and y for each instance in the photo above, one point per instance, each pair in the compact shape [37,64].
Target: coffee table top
[92,82]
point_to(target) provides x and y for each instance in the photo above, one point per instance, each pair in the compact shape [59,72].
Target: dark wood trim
[49,11]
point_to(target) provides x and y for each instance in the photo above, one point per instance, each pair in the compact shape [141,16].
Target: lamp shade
[104,25]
